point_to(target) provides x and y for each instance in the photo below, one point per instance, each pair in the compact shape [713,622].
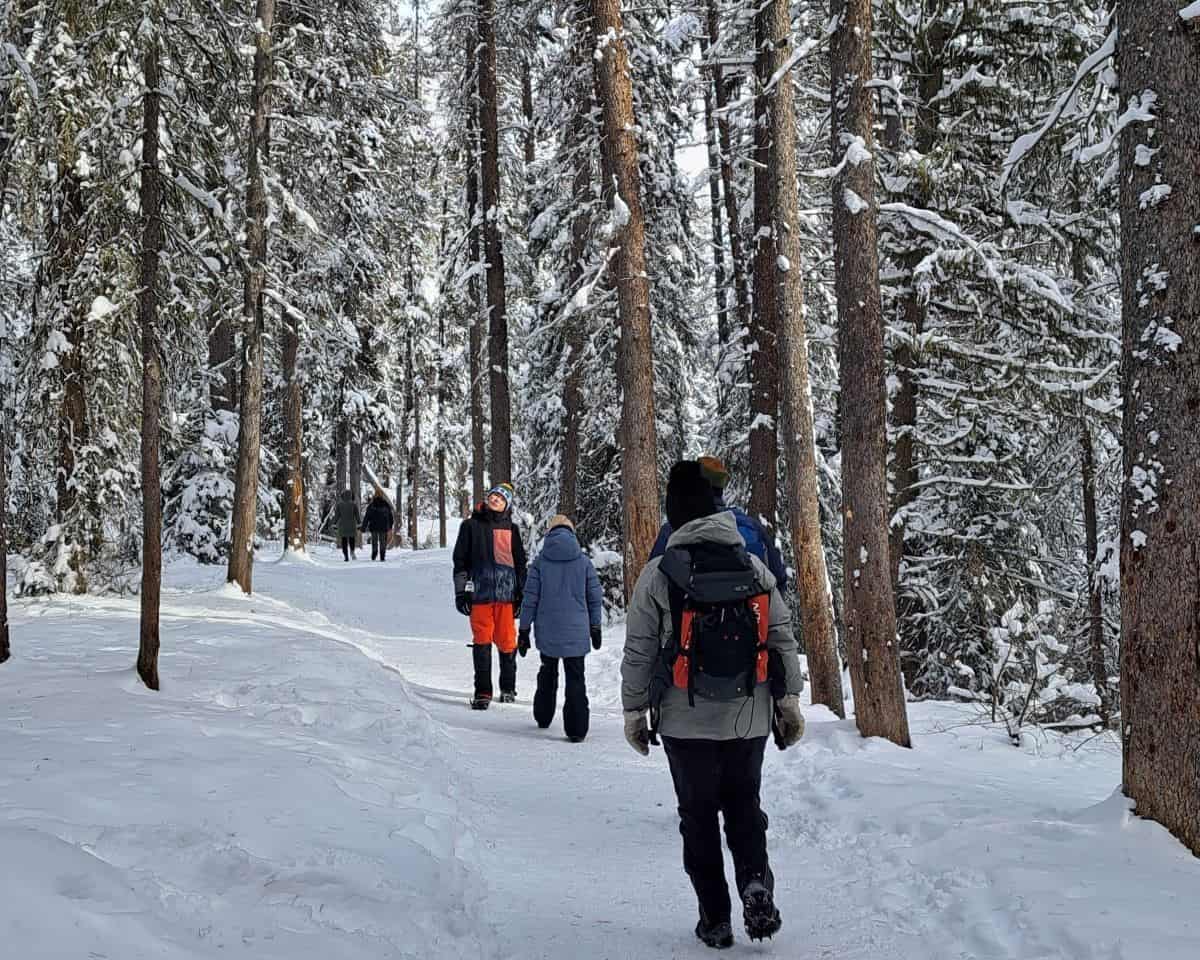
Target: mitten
[462,603]
[595,638]
[523,641]
[789,719]
[637,731]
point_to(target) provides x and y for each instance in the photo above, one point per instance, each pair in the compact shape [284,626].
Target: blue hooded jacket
[563,599]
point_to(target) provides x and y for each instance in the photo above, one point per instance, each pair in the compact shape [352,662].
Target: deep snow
[310,784]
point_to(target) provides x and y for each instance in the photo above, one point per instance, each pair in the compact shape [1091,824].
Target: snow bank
[284,796]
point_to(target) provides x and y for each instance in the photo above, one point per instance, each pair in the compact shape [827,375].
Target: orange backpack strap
[761,605]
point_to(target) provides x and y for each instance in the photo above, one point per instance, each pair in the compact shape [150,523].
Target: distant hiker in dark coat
[759,540]
[565,606]
[378,520]
[709,656]
[489,576]
[346,514]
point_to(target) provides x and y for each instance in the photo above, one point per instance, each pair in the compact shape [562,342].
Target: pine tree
[869,610]
[241,553]
[1158,61]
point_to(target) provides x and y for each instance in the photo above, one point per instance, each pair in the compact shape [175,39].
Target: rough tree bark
[635,362]
[152,244]
[475,332]
[721,276]
[493,248]
[295,534]
[574,335]
[245,495]
[413,402]
[764,321]
[737,257]
[1158,61]
[1092,545]
[869,608]
[799,436]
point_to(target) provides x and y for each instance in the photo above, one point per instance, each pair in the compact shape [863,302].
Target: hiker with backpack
[758,539]
[564,605]
[710,664]
[489,577]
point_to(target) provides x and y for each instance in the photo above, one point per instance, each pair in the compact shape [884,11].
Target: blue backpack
[752,534]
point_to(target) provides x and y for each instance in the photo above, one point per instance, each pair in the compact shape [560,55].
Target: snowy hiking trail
[298,799]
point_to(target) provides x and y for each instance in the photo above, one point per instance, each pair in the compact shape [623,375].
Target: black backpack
[720,615]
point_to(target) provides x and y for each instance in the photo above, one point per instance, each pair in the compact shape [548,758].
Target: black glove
[462,603]
[595,638]
[523,641]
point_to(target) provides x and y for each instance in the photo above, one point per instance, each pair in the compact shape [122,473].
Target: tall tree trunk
[530,134]
[493,248]
[475,332]
[73,413]
[5,648]
[1160,503]
[1092,545]
[869,608]
[341,442]
[764,323]
[152,244]
[913,310]
[737,257]
[575,335]
[635,361]
[295,534]
[241,553]
[721,277]
[414,454]
[799,436]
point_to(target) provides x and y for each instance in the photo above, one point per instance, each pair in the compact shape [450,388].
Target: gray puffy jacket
[648,630]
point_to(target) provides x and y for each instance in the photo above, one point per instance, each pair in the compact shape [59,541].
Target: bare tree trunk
[1160,503]
[799,436]
[295,518]
[530,138]
[152,244]
[489,125]
[341,442]
[869,608]
[737,256]
[241,553]
[5,648]
[414,455]
[721,277]
[1092,545]
[575,334]
[764,323]
[73,416]
[475,333]
[635,362]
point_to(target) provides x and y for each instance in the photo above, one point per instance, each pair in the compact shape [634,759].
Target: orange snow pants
[494,623]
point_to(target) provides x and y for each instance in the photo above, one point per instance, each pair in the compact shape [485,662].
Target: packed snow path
[312,784]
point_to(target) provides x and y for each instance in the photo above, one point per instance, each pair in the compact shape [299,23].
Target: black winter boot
[718,935]
[759,912]
[508,677]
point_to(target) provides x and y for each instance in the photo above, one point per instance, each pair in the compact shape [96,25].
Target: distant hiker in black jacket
[378,521]
[346,515]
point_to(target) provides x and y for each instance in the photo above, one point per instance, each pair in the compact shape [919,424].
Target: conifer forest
[924,274]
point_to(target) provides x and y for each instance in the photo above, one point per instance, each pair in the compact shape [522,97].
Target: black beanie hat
[689,494]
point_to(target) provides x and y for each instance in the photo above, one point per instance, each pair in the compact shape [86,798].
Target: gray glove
[637,731]
[790,720]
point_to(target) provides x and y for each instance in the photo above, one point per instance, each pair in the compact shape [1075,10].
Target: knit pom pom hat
[504,490]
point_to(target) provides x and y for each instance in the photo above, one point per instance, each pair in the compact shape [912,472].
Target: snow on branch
[928,222]
[1025,144]
[1191,12]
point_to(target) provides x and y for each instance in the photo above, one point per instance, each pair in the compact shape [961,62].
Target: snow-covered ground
[310,784]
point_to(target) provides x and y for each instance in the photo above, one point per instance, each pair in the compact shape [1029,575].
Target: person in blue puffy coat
[564,605]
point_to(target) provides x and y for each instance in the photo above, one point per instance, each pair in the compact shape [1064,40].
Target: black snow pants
[711,777]
[348,546]
[482,653]
[575,706]
[379,539]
